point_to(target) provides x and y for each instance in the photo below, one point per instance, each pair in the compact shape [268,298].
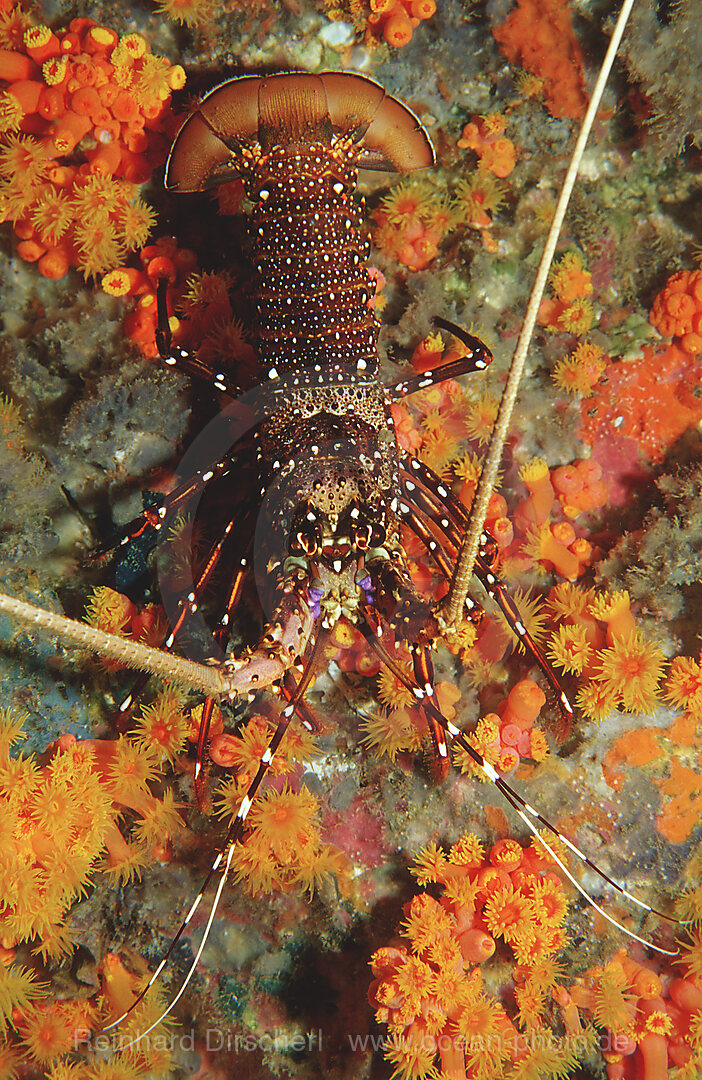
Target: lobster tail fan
[198,158]
[396,140]
[391,136]
[204,152]
[352,101]
[294,110]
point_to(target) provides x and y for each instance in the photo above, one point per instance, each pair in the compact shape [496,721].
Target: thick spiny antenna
[452,605]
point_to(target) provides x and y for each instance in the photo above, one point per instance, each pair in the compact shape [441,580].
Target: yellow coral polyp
[18,989]
[409,199]
[569,278]
[47,1032]
[478,197]
[467,851]
[158,820]
[163,725]
[430,864]
[610,606]
[54,70]
[412,1059]
[577,318]
[393,693]
[285,820]
[426,922]
[52,216]
[468,468]
[24,160]
[486,740]
[506,912]
[36,35]
[109,610]
[550,901]
[632,669]
[391,733]
[597,700]
[581,371]
[534,470]
[568,601]
[189,12]
[116,282]
[135,220]
[570,649]
[480,417]
[208,287]
[614,1003]
[102,35]
[133,766]
[683,685]
[133,46]
[151,85]
[538,746]
[176,77]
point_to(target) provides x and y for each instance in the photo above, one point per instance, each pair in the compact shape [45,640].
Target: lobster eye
[306,534]
[364,525]
[378,534]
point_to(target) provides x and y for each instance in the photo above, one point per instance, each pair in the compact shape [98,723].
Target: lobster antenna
[452,606]
[188,673]
[234,836]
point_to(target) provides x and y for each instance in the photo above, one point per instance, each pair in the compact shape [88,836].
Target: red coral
[485,135]
[539,37]
[411,223]
[677,310]
[650,400]
[651,1020]
[431,995]
[395,20]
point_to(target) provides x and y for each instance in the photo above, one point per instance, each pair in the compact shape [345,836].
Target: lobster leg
[435,499]
[221,633]
[188,604]
[404,610]
[476,359]
[303,713]
[155,517]
[187,362]
[528,814]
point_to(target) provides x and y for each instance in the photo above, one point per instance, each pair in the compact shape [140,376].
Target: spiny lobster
[337,486]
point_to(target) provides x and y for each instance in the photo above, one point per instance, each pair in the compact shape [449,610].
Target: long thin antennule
[522,808]
[196,958]
[234,836]
[452,606]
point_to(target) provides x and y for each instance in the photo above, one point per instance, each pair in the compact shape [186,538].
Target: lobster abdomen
[297,141]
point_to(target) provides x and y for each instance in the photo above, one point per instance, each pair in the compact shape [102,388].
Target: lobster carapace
[297,141]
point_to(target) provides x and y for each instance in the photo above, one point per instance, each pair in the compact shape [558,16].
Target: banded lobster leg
[400,607]
[234,836]
[155,517]
[477,358]
[422,687]
[182,359]
[189,601]
[427,495]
